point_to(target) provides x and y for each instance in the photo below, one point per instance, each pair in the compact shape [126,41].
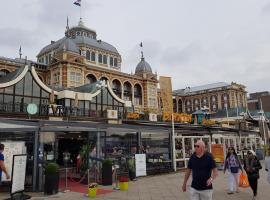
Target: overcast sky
[193,41]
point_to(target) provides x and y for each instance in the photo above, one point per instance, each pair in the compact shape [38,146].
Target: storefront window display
[157,149]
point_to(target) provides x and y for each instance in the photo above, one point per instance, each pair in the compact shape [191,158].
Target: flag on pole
[77,3]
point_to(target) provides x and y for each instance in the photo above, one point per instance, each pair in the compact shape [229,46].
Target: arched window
[115,62]
[88,55]
[180,105]
[105,59]
[90,78]
[116,86]
[99,58]
[225,103]
[127,91]
[174,106]
[111,61]
[3,72]
[137,94]
[188,106]
[214,103]
[93,56]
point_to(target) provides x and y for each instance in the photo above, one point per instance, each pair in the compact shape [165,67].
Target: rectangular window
[78,77]
[72,76]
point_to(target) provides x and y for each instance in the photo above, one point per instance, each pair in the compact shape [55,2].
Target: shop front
[185,140]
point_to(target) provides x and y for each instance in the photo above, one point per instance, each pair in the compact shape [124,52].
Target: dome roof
[77,36]
[143,67]
[68,45]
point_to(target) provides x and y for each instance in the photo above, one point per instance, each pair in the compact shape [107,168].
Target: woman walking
[232,164]
[252,166]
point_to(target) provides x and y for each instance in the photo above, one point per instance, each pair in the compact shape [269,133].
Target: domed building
[79,58]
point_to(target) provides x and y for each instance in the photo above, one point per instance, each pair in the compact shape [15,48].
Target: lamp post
[243,115]
[261,113]
[173,143]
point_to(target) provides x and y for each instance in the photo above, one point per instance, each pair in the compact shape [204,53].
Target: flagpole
[81,11]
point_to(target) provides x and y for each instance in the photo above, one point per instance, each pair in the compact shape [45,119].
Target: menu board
[140,164]
[218,152]
[12,148]
[18,174]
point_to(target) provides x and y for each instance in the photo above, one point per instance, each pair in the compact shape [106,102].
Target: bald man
[204,171]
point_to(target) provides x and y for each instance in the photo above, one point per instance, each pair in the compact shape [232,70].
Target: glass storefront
[156,146]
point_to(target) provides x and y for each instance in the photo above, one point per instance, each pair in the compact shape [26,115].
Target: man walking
[204,171]
[2,164]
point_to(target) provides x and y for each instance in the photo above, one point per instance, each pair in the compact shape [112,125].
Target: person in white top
[267,165]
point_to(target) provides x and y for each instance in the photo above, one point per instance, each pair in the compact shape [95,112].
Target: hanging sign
[32,109]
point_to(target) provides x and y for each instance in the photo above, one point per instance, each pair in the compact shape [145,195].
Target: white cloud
[194,42]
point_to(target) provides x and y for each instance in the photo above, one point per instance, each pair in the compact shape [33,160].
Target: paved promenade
[168,187]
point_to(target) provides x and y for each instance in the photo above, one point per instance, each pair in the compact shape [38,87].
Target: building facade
[79,58]
[214,97]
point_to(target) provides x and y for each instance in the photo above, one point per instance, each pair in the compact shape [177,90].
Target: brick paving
[167,187]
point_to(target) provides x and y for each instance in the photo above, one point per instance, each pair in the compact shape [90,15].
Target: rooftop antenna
[20,52]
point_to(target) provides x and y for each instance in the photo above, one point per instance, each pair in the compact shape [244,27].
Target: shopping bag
[243,180]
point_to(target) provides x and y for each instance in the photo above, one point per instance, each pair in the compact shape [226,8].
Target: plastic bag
[243,180]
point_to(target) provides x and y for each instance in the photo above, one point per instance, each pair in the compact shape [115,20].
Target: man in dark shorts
[204,171]
[2,164]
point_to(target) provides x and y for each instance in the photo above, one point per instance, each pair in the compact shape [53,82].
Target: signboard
[218,152]
[112,114]
[12,148]
[18,173]
[152,117]
[166,93]
[140,162]
[32,109]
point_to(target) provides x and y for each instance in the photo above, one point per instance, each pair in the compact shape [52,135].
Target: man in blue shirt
[204,171]
[2,164]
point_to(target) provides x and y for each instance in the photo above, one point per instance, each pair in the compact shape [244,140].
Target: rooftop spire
[67,27]
[141,45]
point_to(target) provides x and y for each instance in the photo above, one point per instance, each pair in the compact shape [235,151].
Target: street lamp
[243,115]
[173,143]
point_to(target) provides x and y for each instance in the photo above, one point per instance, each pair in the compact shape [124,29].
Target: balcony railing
[53,110]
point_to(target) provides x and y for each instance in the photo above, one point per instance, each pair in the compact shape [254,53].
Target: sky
[195,42]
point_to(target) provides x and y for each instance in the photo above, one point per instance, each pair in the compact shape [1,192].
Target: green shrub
[107,162]
[52,168]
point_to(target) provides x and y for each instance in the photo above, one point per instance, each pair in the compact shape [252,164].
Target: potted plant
[123,182]
[51,179]
[107,172]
